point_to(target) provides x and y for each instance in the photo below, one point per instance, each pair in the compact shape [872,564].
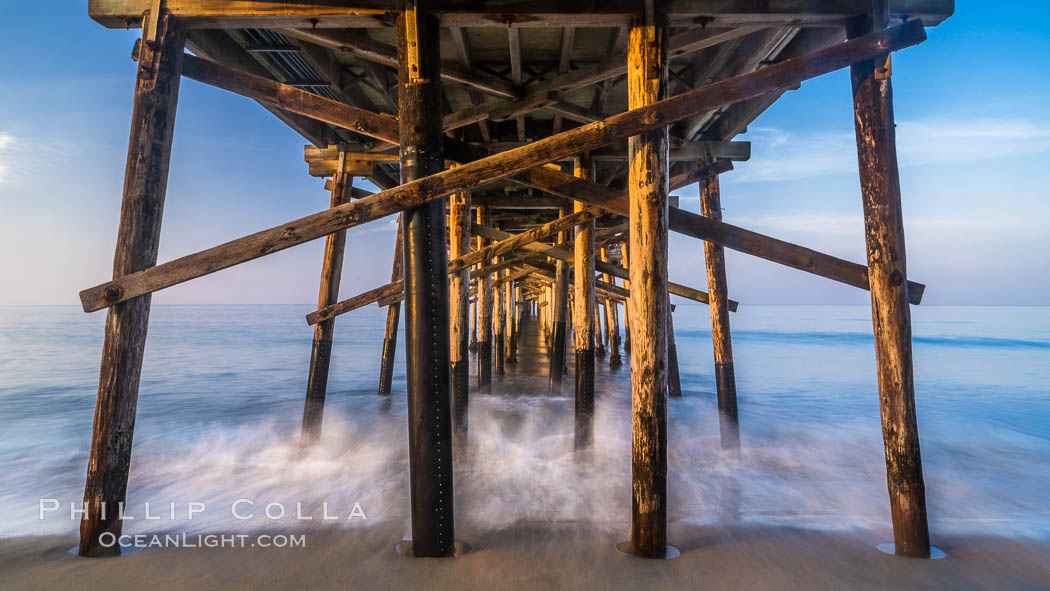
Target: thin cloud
[781,155]
[6,141]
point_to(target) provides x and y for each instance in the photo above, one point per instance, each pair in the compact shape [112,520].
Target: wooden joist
[218,46]
[288,98]
[498,166]
[366,48]
[546,94]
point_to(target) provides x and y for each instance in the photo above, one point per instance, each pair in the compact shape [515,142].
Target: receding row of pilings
[428,307]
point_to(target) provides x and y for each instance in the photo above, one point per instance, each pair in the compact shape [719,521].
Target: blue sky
[973,139]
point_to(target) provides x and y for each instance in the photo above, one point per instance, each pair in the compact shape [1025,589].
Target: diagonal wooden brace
[499,166]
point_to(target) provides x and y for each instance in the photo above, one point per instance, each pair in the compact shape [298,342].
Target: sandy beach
[540,556]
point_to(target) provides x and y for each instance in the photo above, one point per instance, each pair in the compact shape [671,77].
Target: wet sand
[539,556]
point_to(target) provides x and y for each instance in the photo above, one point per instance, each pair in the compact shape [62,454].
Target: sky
[973,143]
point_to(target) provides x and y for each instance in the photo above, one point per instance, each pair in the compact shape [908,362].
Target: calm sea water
[221,400]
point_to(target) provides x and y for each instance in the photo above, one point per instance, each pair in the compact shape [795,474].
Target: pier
[530,151]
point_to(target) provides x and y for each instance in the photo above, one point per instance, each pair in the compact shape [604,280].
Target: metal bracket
[412,41]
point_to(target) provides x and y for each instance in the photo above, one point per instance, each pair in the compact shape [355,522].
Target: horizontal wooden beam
[694,176]
[358,301]
[499,166]
[689,152]
[218,14]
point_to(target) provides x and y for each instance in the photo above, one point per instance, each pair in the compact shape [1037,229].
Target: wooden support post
[473,325]
[393,318]
[647,185]
[145,182]
[508,331]
[484,316]
[612,325]
[584,317]
[674,376]
[324,331]
[498,323]
[625,254]
[888,281]
[718,296]
[426,288]
[599,334]
[556,366]
[459,315]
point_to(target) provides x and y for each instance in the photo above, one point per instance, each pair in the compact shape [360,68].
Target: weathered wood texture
[504,164]
[290,99]
[583,318]
[718,291]
[459,315]
[366,48]
[393,316]
[324,332]
[612,322]
[498,323]
[426,289]
[208,14]
[647,187]
[138,236]
[556,366]
[484,316]
[674,376]
[887,275]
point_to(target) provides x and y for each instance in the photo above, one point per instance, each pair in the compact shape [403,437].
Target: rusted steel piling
[426,289]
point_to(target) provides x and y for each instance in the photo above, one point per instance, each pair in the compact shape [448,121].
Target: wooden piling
[648,188]
[674,376]
[612,325]
[393,318]
[138,235]
[584,317]
[508,330]
[459,313]
[599,333]
[484,316]
[888,281]
[498,322]
[556,366]
[426,288]
[324,331]
[718,303]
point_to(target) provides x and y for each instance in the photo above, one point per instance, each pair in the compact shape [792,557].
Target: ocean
[222,392]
